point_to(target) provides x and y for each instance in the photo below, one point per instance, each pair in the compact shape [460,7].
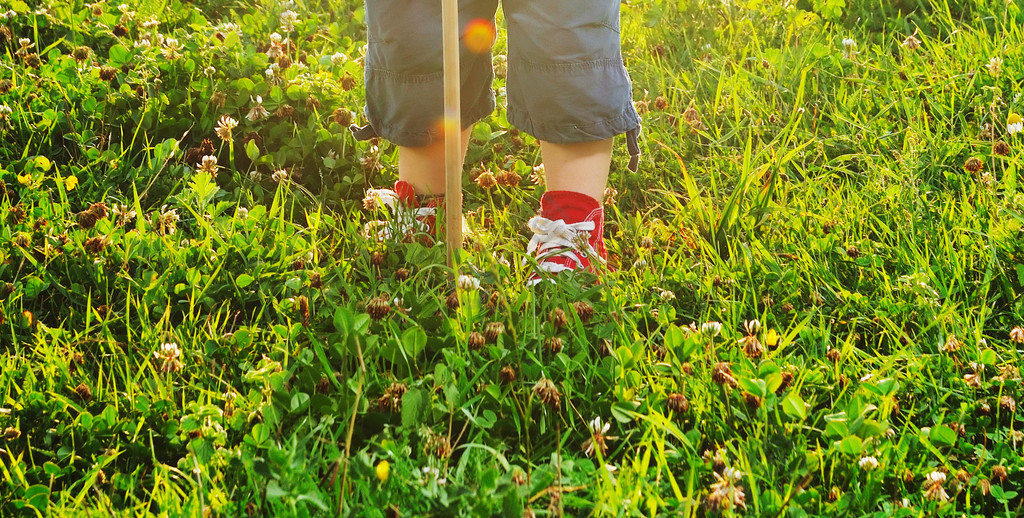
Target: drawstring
[363,132]
[633,145]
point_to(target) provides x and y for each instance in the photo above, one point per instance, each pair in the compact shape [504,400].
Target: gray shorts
[566,82]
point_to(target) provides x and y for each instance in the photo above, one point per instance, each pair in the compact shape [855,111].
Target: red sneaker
[568,234]
[407,218]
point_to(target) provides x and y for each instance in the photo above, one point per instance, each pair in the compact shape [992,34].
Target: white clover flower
[995,65]
[169,357]
[209,164]
[849,48]
[288,20]
[711,328]
[257,112]
[932,487]
[241,213]
[150,23]
[171,48]
[338,59]
[752,326]
[868,463]
[10,15]
[279,176]
[468,283]
[209,71]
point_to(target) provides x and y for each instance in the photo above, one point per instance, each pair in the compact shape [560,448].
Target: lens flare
[446,124]
[479,35]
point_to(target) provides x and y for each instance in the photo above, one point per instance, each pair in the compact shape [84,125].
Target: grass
[816,307]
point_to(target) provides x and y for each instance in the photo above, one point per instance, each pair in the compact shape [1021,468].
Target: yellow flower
[24,179]
[771,338]
[1014,123]
[70,183]
[383,469]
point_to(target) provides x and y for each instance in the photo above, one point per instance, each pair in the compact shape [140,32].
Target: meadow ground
[815,308]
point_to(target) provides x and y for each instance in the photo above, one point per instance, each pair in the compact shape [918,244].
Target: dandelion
[995,65]
[257,112]
[288,20]
[224,126]
[932,487]
[1014,123]
[598,437]
[868,463]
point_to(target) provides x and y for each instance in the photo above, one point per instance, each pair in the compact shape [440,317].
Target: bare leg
[581,167]
[423,167]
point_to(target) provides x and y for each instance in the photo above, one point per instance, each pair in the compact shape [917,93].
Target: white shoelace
[406,220]
[559,239]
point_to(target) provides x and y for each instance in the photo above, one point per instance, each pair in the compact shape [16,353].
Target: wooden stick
[452,128]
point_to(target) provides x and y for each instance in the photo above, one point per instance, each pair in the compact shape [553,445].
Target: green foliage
[814,308]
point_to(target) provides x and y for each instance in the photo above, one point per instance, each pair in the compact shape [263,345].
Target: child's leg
[405,83]
[567,87]
[581,167]
[423,167]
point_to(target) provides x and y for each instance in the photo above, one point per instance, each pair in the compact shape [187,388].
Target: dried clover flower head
[583,310]
[547,392]
[558,318]
[678,403]
[1017,335]
[722,374]
[493,331]
[476,341]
